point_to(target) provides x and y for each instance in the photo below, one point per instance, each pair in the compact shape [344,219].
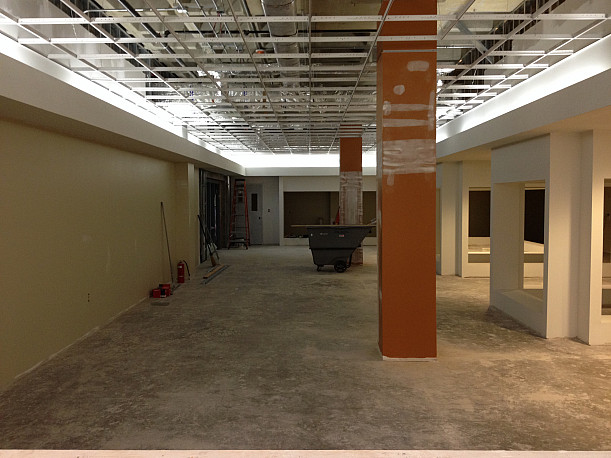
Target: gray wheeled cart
[334,245]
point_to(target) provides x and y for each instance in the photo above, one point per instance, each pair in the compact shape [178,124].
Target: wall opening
[213,194]
[479,226]
[319,207]
[534,237]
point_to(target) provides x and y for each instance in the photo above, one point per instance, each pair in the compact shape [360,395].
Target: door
[255,215]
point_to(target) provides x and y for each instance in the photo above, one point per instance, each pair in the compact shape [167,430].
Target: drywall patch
[406,107]
[399,89]
[418,66]
[386,107]
[392,122]
[431,113]
[407,157]
[351,197]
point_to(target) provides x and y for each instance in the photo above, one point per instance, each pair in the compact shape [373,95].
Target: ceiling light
[180,8]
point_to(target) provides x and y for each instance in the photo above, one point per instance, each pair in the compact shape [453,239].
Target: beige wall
[81,238]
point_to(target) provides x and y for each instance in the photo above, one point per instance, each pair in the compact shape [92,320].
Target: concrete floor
[272,354]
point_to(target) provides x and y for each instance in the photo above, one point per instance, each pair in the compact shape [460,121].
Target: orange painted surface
[350,154]
[407,268]
[406,188]
[411,27]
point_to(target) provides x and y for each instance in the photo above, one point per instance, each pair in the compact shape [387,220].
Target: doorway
[212,209]
[255,215]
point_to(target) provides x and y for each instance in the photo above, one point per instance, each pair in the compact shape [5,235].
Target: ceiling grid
[219,70]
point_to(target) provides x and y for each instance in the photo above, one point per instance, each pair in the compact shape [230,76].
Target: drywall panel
[301,168]
[321,183]
[187,209]
[82,239]
[547,97]
[521,162]
[311,183]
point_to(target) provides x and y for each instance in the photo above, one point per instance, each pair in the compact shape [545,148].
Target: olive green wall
[81,238]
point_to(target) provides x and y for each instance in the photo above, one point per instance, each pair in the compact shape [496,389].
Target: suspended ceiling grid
[293,79]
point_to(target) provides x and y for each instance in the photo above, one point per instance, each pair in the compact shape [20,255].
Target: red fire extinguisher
[181,272]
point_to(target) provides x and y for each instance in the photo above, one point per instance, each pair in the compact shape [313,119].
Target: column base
[424,360]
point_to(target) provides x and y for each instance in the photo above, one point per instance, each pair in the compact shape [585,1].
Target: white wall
[270,208]
[574,167]
[448,192]
[187,209]
[511,167]
[562,221]
[82,238]
[321,183]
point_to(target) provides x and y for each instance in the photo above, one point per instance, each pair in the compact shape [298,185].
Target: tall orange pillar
[406,85]
[351,186]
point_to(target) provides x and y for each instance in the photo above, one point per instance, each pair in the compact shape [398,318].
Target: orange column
[351,186]
[406,85]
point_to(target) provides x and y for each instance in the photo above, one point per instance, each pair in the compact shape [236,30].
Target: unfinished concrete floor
[272,354]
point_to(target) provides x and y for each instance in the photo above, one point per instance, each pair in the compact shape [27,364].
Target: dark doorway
[212,202]
[534,215]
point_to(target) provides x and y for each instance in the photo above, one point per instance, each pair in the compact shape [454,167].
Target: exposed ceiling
[296,75]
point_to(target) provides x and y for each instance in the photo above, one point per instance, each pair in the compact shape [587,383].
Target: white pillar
[506,238]
[593,327]
[562,221]
[447,179]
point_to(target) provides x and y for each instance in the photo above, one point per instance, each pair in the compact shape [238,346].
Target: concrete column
[406,85]
[351,186]
[187,225]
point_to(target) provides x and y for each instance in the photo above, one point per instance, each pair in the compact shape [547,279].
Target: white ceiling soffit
[265,77]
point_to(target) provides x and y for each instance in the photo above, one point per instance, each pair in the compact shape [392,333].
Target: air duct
[283,29]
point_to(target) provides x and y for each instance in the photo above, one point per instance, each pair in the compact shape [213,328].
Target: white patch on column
[399,89]
[351,204]
[418,66]
[351,197]
[386,107]
[405,107]
[408,156]
[432,114]
[404,122]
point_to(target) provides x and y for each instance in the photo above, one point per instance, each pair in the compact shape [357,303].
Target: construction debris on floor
[274,355]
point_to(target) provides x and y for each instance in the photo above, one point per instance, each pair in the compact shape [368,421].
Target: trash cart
[333,245]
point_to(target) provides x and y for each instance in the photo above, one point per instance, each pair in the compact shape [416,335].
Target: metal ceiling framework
[227,73]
